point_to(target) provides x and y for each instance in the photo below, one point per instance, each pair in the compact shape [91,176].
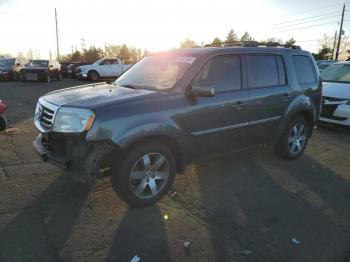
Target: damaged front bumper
[85,161]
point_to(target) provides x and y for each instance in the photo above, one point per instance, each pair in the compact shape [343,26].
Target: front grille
[46,117]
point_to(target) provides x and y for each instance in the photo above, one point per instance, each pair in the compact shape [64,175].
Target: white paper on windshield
[185,59]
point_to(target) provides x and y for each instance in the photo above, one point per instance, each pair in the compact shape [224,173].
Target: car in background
[324,64]
[41,70]
[102,68]
[336,94]
[10,68]
[73,68]
[65,68]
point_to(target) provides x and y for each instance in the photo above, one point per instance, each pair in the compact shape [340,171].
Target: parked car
[3,122]
[171,108]
[41,70]
[10,68]
[336,94]
[324,64]
[74,69]
[65,68]
[103,68]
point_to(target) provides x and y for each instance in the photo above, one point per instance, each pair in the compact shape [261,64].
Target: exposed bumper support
[84,162]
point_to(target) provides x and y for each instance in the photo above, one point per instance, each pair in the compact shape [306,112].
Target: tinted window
[262,71]
[222,72]
[304,69]
[106,62]
[281,70]
[113,61]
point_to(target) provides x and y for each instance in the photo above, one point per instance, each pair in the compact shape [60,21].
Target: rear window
[265,71]
[304,69]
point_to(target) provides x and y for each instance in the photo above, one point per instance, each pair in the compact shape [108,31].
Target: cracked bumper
[84,161]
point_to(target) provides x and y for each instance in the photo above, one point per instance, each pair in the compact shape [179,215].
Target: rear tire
[144,174]
[294,140]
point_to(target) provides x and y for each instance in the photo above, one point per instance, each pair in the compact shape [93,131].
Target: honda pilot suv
[173,107]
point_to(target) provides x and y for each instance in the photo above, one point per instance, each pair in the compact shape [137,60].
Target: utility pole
[58,48]
[83,48]
[340,33]
[334,43]
[105,49]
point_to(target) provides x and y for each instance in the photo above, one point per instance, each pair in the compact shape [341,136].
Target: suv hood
[336,90]
[94,95]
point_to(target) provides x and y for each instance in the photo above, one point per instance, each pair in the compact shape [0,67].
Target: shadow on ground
[39,232]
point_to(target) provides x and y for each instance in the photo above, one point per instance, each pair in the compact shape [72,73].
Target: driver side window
[222,72]
[106,62]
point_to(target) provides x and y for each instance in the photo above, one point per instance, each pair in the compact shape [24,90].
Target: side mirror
[203,91]
[51,65]
[18,64]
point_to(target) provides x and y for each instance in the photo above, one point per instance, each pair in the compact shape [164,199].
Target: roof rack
[252,44]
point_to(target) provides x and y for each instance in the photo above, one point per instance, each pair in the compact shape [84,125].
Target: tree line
[128,54]
[232,37]
[325,52]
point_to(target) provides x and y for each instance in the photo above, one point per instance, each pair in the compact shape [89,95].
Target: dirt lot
[243,207]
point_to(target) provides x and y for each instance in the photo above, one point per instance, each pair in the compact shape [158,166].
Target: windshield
[337,73]
[7,62]
[38,63]
[98,61]
[158,72]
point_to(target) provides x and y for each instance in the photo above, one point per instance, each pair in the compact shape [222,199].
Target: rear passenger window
[265,71]
[304,69]
[222,72]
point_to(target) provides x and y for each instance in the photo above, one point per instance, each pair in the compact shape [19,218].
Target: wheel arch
[301,106]
[165,140]
[93,70]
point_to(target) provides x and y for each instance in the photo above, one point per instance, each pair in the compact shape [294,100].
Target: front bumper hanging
[83,160]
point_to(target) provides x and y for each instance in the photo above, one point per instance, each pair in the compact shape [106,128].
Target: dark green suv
[172,107]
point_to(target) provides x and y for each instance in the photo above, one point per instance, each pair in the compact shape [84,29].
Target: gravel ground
[246,206]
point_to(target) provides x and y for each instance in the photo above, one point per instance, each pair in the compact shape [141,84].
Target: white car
[103,68]
[336,94]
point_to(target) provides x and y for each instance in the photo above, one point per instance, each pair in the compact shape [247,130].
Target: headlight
[73,120]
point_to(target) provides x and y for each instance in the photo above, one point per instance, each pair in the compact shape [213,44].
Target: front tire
[145,174]
[93,76]
[16,76]
[294,140]
[3,123]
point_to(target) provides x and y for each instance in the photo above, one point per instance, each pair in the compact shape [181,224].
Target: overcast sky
[161,24]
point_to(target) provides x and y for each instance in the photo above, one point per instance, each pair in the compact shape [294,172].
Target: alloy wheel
[297,138]
[149,175]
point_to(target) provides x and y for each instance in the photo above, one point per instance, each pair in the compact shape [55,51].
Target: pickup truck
[103,68]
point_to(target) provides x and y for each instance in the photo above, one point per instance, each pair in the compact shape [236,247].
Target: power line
[306,18]
[310,10]
[300,28]
[306,22]
[310,40]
